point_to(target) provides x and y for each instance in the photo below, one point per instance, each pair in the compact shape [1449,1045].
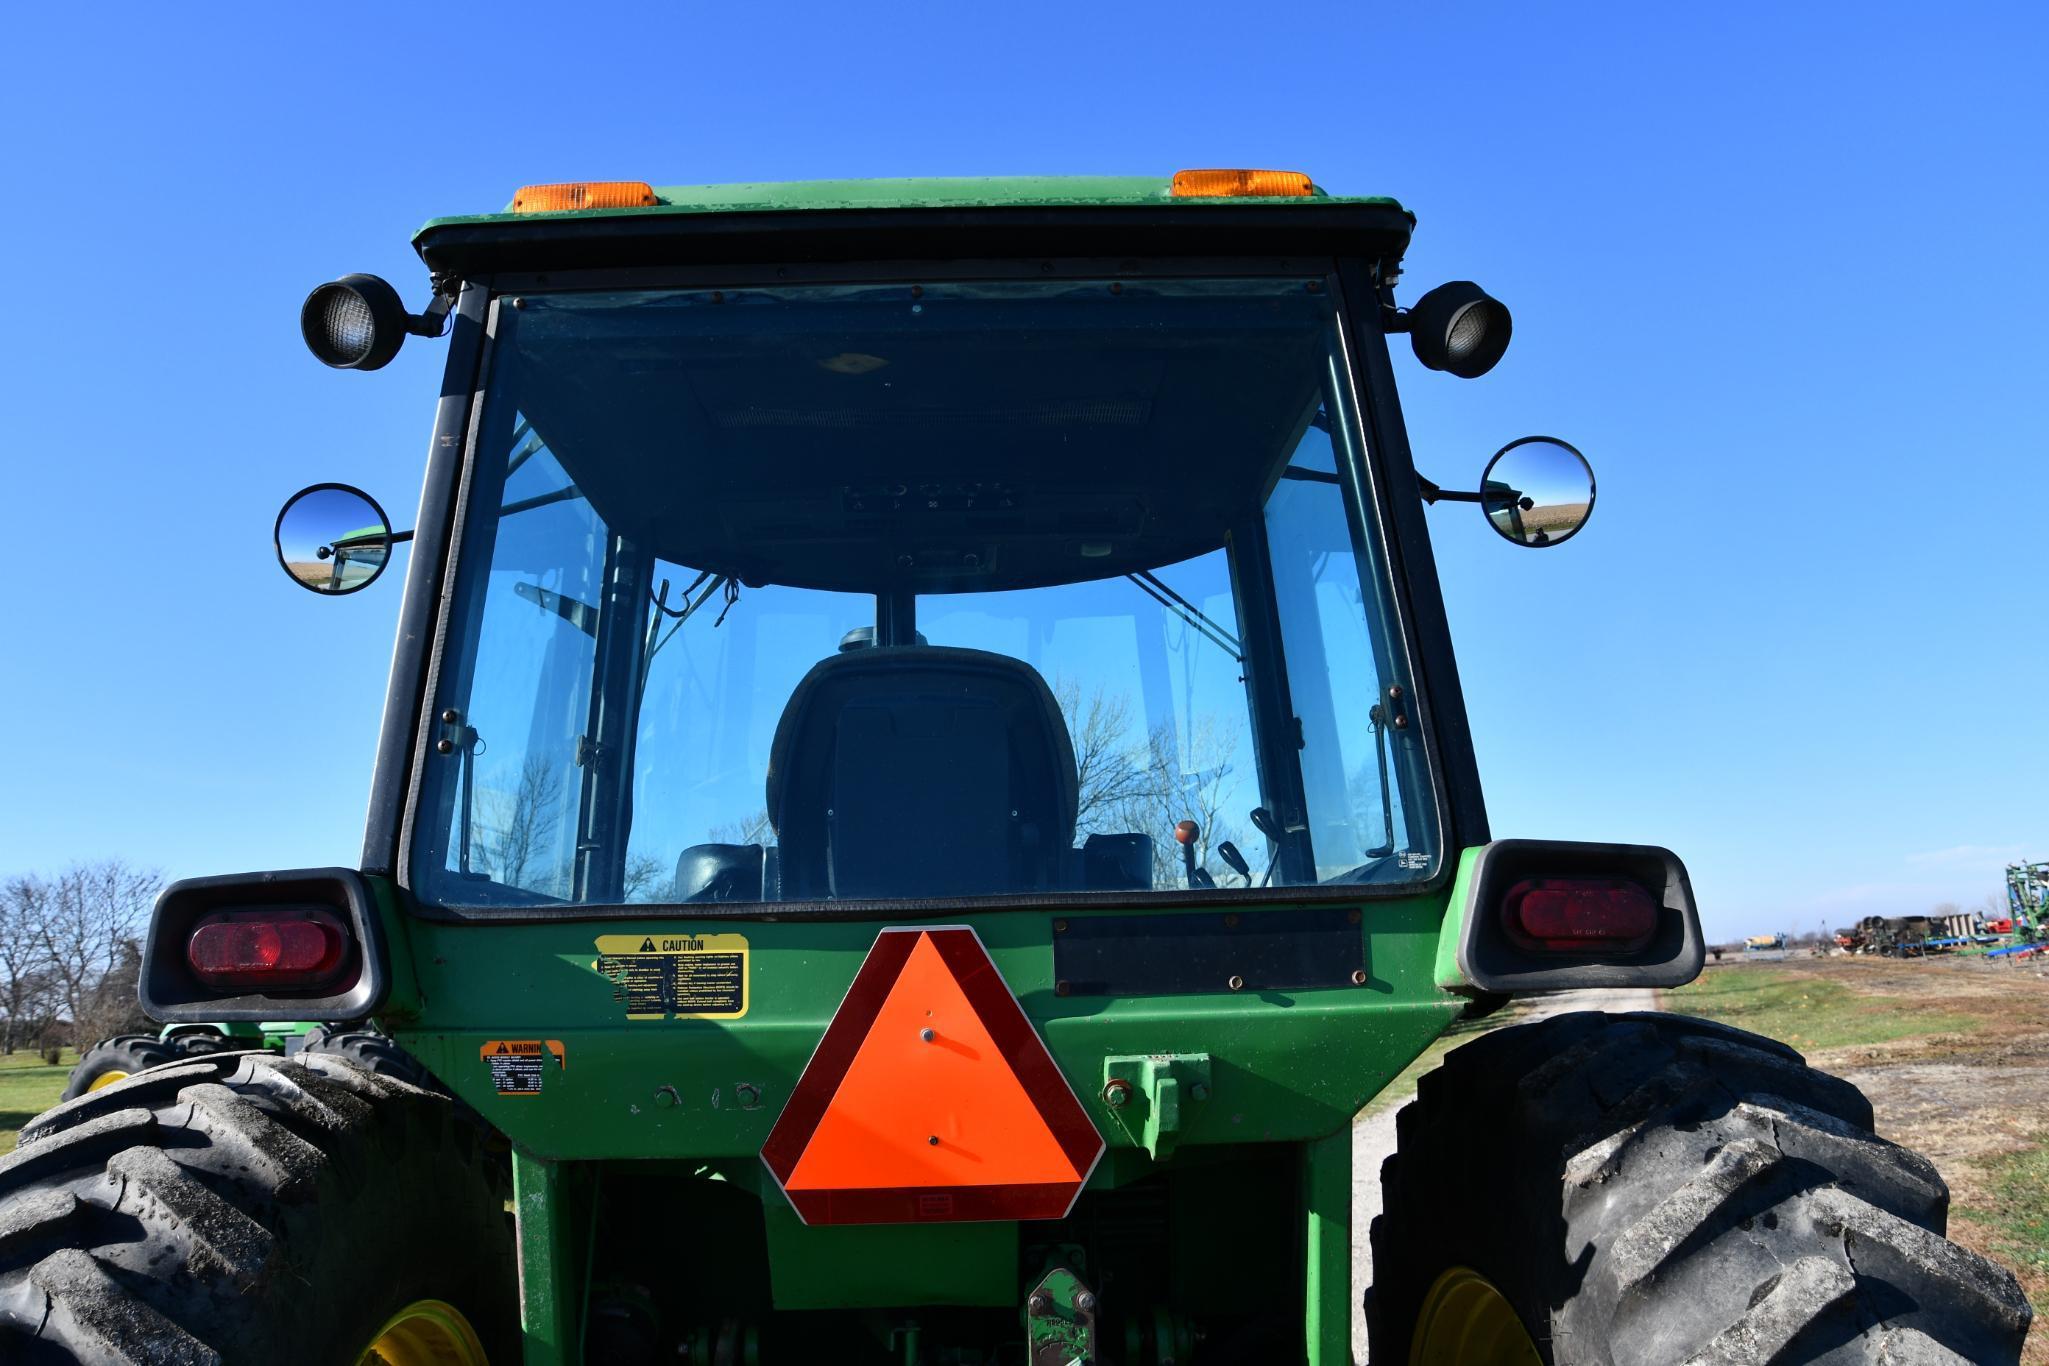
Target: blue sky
[1778,273]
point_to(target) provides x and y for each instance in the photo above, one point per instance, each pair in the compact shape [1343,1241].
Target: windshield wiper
[1190,613]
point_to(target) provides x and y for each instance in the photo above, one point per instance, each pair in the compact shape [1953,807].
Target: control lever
[1184,835]
[1228,852]
[1264,822]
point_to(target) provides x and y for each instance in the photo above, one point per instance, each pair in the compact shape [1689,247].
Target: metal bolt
[451,716]
[1236,983]
[1358,977]
[1353,917]
[917,291]
[1231,921]
[926,1034]
[666,1096]
[1198,1092]
[1038,1304]
[1401,720]
[1316,286]
[444,746]
[933,1139]
[1062,988]
[1085,1301]
[519,303]
[1060,927]
[1117,1093]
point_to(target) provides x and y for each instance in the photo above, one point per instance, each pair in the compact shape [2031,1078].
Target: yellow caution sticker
[519,1065]
[676,976]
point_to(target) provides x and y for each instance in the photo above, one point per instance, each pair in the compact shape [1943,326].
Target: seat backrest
[921,771]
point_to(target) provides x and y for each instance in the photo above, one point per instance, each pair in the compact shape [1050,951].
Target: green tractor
[924,784]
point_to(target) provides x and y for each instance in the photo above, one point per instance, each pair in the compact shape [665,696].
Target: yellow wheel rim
[425,1333]
[1465,1321]
[106,1079]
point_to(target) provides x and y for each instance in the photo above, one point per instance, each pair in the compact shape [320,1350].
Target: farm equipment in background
[2027,899]
[1764,943]
[1037,540]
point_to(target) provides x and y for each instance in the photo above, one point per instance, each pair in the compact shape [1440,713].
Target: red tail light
[268,949]
[1579,915]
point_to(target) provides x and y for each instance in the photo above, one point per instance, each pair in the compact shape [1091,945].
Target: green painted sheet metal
[938,192]
[1447,974]
[547,1276]
[878,1265]
[1286,1066]
[1327,1256]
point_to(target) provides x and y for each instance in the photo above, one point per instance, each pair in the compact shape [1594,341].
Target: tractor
[923,785]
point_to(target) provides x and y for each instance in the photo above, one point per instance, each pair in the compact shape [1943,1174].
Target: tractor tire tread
[1703,1197]
[151,1221]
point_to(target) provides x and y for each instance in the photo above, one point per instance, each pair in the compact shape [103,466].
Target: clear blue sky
[1777,270]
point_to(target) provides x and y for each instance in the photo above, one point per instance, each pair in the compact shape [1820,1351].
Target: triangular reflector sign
[930,1099]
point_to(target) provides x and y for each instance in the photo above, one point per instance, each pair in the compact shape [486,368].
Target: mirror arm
[1433,494]
[433,320]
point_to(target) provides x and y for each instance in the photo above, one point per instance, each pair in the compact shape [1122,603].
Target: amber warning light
[570,196]
[1242,185]
[931,1099]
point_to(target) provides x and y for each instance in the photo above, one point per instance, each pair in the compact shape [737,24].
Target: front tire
[246,1208]
[116,1059]
[1657,1189]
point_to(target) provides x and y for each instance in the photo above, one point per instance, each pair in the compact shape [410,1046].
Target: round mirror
[333,539]
[1537,491]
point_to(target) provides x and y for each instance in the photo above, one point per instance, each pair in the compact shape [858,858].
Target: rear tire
[370,1051]
[109,1060]
[1657,1189]
[246,1208]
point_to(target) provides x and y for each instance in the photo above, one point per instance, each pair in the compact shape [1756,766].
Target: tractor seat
[921,771]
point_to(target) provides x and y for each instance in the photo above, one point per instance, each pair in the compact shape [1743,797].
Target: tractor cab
[1036,577]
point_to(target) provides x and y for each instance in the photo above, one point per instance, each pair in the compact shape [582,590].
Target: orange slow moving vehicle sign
[931,1098]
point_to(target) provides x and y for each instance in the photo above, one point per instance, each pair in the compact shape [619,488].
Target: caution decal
[519,1066]
[676,976]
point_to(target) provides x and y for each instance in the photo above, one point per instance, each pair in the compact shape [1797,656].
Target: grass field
[1809,1010]
[28,1086]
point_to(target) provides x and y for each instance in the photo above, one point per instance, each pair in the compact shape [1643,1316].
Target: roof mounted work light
[1459,328]
[358,322]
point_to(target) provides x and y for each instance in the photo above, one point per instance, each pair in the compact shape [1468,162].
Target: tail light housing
[308,944]
[1553,915]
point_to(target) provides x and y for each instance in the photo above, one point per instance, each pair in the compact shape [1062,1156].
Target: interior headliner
[956,438]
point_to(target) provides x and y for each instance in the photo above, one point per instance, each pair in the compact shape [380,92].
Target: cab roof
[950,211]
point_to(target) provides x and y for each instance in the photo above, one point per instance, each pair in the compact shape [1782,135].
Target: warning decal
[518,1065]
[676,976]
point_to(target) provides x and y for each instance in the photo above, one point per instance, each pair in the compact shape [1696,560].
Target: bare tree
[93,912]
[644,880]
[112,1006]
[1110,761]
[530,814]
[756,829]
[1182,779]
[24,981]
